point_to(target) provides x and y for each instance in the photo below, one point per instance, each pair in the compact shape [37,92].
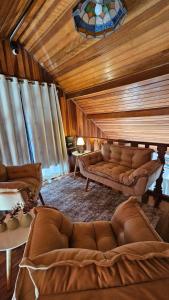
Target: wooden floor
[163,230]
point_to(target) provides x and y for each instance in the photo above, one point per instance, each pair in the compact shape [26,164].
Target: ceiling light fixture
[98,18]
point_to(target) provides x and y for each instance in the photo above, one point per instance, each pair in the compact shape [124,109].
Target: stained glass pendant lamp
[98,18]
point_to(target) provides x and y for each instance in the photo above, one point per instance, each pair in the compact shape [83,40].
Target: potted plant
[13,222]
[26,218]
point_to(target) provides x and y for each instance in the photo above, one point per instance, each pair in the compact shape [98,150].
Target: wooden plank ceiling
[138,50]
[48,33]
[138,111]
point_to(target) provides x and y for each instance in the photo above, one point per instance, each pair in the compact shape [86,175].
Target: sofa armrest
[12,187]
[28,170]
[130,224]
[90,159]
[147,169]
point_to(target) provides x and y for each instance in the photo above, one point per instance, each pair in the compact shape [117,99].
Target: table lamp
[80,144]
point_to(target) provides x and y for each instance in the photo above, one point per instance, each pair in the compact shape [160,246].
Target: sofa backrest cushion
[131,157]
[3,173]
[51,230]
[131,225]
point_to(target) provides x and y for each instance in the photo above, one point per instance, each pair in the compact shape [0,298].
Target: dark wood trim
[147,144]
[148,74]
[131,114]
[158,193]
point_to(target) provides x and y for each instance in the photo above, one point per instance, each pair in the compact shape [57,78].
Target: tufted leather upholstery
[95,260]
[128,169]
[57,230]
[93,235]
[110,170]
[131,157]
[26,177]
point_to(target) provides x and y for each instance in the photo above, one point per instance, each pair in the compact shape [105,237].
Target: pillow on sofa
[68,270]
[105,151]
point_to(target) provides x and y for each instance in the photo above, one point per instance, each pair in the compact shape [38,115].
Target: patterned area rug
[98,203]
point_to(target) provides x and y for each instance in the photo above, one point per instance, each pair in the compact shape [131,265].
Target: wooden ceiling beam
[148,74]
[130,114]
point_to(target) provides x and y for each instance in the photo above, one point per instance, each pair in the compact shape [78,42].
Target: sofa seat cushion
[96,235]
[111,171]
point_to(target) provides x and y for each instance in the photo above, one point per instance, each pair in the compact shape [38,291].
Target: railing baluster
[161,150]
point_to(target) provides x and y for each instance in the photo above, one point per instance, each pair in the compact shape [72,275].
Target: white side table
[12,239]
[76,154]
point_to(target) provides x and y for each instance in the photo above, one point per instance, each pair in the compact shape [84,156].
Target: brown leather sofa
[120,259]
[26,178]
[126,169]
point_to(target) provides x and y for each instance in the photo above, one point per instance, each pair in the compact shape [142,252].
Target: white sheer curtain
[31,127]
[13,139]
[45,127]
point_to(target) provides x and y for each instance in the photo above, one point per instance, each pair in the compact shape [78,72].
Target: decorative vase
[26,220]
[3,226]
[12,223]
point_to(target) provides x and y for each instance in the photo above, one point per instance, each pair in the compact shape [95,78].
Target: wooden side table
[76,154]
[9,240]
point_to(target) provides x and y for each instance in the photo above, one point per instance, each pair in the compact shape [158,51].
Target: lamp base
[80,149]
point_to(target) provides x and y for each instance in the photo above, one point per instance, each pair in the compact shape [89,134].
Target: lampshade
[80,141]
[98,18]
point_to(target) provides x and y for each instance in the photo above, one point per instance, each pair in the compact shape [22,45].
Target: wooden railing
[94,144]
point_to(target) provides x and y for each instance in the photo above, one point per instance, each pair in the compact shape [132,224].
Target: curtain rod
[30,81]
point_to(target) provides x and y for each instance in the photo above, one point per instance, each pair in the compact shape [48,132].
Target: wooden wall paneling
[75,122]
[22,66]
[64,112]
[3,63]
[72,118]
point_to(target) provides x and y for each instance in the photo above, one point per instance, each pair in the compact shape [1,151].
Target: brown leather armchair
[26,178]
[120,259]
